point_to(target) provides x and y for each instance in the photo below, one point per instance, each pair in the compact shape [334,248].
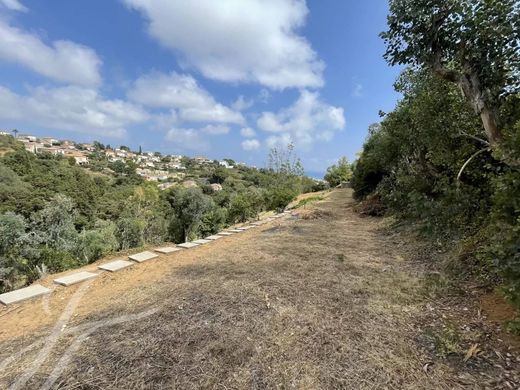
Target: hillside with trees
[446,160]
[56,215]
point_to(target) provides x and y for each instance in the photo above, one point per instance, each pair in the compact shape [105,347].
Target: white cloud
[13,5]
[172,90]
[194,139]
[188,139]
[242,104]
[182,92]
[308,119]
[70,108]
[63,61]
[215,129]
[279,141]
[237,40]
[247,132]
[250,144]
[217,113]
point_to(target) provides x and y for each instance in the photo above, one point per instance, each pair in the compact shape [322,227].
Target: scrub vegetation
[55,215]
[446,160]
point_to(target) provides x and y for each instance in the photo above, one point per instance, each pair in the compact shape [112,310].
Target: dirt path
[320,301]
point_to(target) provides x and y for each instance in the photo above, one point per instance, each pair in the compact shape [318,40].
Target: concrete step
[213,237]
[116,265]
[24,294]
[78,277]
[188,245]
[202,241]
[143,256]
[167,249]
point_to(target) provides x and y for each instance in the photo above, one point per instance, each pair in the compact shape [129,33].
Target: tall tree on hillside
[15,132]
[473,43]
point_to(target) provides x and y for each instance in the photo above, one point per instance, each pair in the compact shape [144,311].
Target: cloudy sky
[226,78]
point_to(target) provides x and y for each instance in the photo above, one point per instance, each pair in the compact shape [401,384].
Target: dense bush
[412,163]
[338,173]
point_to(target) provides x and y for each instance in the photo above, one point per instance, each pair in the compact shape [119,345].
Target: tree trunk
[490,126]
[469,84]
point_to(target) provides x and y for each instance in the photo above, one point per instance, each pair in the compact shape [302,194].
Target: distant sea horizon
[315,174]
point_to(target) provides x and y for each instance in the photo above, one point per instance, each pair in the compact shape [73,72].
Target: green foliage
[245,205]
[55,215]
[412,162]
[430,33]
[8,144]
[339,173]
[279,198]
[213,221]
[189,205]
[98,242]
[310,199]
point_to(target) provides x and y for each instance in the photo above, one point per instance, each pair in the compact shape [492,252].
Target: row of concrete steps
[37,290]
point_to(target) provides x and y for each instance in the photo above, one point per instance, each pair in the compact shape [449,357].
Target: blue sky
[228,78]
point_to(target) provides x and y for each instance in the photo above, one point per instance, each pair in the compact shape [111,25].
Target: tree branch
[474,138]
[468,161]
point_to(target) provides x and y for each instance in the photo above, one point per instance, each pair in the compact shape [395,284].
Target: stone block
[188,245]
[201,241]
[143,256]
[225,234]
[78,277]
[116,265]
[214,237]
[167,249]
[24,294]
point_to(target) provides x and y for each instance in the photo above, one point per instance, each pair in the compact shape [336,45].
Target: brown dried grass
[312,303]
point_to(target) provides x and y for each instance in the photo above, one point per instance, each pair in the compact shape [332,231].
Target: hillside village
[166,170]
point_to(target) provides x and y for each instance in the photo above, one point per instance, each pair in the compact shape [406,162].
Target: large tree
[473,43]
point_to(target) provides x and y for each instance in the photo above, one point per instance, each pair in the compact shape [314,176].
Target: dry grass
[321,302]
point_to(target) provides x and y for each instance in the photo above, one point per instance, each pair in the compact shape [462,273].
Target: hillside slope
[325,299]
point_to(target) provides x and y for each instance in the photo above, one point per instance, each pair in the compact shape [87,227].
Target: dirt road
[322,300]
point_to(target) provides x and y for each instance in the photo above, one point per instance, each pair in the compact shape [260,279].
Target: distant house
[26,137]
[88,147]
[34,147]
[68,144]
[202,160]
[225,164]
[49,141]
[175,165]
[79,157]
